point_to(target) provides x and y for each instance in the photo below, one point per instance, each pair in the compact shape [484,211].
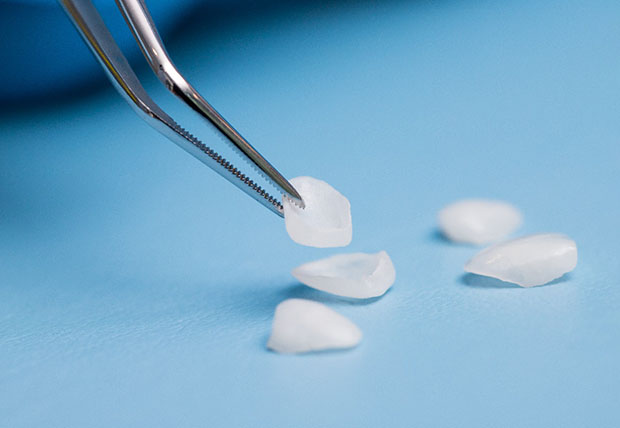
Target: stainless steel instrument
[97,36]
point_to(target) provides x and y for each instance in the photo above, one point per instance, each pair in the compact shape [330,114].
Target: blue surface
[137,287]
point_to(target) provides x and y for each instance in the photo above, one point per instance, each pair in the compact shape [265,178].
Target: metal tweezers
[97,36]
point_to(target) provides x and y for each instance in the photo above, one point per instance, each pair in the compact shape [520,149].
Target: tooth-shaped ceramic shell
[357,275]
[527,261]
[326,219]
[479,221]
[301,325]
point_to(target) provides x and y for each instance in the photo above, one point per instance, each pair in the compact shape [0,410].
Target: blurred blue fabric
[137,287]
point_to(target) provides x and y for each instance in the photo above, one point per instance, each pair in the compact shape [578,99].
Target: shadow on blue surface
[435,235]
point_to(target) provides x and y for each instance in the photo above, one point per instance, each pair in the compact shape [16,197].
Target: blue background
[137,287]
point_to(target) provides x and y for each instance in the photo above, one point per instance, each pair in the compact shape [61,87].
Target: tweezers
[89,23]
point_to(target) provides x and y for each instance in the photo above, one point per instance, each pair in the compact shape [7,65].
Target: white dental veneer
[301,325]
[326,219]
[528,261]
[357,275]
[479,221]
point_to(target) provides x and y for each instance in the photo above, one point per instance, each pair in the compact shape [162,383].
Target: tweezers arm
[94,31]
[98,38]
[139,20]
